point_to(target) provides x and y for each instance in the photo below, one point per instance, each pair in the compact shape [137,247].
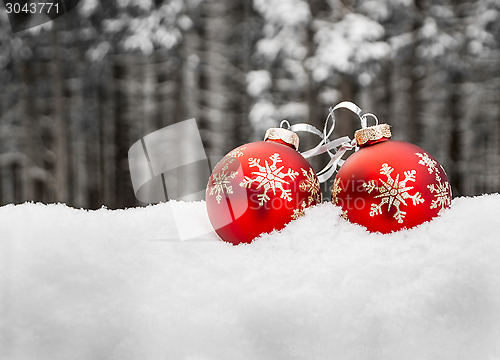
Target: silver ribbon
[335,148]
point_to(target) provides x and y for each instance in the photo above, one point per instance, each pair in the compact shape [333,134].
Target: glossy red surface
[242,212]
[407,191]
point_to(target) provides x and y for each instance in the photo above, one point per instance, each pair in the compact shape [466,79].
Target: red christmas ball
[260,187]
[389,185]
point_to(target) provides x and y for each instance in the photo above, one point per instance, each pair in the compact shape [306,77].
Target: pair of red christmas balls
[385,186]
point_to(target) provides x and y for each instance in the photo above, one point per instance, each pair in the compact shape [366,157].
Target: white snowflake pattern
[427,161]
[311,185]
[221,182]
[393,192]
[441,192]
[269,177]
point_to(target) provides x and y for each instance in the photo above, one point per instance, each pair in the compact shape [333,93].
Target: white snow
[150,29]
[284,12]
[78,284]
[258,82]
[88,7]
[263,115]
[347,45]
[285,28]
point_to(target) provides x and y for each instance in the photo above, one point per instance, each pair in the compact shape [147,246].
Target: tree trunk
[414,132]
[29,147]
[61,142]
[123,186]
[215,66]
[346,123]
[456,135]
[106,144]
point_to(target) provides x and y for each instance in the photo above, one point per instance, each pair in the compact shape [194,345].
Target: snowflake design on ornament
[336,189]
[311,185]
[393,192]
[221,182]
[238,152]
[427,161]
[440,191]
[299,212]
[270,177]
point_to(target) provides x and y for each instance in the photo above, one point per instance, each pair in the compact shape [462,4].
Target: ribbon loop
[353,108]
[335,148]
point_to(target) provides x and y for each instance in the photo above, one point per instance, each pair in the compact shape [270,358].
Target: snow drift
[104,284]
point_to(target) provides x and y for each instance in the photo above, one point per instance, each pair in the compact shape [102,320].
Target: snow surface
[78,284]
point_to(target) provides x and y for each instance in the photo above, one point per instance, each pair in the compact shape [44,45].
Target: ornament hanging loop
[285,123]
[364,121]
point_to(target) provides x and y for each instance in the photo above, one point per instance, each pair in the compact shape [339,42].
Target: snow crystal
[103,284]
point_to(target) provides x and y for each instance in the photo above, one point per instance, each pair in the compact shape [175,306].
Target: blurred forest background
[76,93]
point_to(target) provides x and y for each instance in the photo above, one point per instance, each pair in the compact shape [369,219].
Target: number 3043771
[31,8]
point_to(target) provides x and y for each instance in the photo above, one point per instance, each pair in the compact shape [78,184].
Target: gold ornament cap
[372,133]
[282,135]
